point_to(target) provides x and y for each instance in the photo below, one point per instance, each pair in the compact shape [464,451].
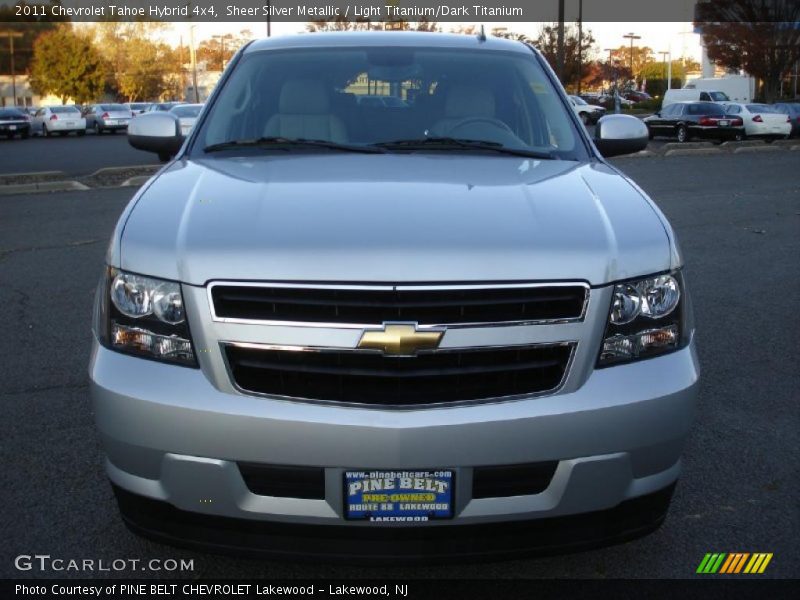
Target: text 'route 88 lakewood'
[207,589]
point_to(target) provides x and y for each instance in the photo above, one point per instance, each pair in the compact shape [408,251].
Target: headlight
[647,318]
[143,316]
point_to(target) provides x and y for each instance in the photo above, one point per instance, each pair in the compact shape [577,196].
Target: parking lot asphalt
[71,154]
[738,218]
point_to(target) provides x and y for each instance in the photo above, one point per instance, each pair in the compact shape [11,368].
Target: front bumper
[173,441]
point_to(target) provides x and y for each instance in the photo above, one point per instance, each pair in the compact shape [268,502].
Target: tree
[68,65]
[547,43]
[762,37]
[30,27]
[642,55]
[137,67]
[219,50]
[342,24]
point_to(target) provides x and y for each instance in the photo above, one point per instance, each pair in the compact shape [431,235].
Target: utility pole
[668,66]
[11,35]
[614,75]
[631,37]
[580,44]
[221,51]
[193,59]
[560,41]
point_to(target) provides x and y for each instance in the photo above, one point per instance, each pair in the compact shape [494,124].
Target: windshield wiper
[288,143]
[446,143]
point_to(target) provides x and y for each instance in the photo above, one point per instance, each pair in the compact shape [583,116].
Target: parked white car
[588,113]
[61,120]
[761,120]
[187,116]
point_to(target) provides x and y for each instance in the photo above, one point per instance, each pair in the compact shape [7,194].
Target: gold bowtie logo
[400,339]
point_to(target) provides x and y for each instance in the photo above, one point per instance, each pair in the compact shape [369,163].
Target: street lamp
[193,59]
[631,37]
[668,65]
[11,35]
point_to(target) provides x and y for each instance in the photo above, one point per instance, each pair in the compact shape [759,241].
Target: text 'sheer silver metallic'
[377,308]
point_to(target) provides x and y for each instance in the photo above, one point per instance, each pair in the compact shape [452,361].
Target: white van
[739,88]
[694,95]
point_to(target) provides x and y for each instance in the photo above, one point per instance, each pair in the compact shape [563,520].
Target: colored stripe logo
[734,563]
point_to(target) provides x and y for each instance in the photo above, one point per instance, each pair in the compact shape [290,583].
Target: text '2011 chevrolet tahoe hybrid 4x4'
[437,324]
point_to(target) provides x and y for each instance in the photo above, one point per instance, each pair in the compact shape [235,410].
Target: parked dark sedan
[793,110]
[14,121]
[685,120]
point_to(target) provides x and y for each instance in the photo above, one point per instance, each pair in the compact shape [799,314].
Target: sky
[675,37]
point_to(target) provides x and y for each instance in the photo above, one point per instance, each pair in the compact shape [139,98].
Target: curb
[692,151]
[686,145]
[32,174]
[136,180]
[45,186]
[757,149]
[743,144]
[106,170]
[784,143]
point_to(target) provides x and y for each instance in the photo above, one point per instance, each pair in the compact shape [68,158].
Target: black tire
[81,133]
[650,134]
[26,134]
[682,134]
[164,157]
[586,118]
[45,131]
[97,129]
[739,137]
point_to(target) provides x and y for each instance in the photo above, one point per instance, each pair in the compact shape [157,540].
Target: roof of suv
[386,38]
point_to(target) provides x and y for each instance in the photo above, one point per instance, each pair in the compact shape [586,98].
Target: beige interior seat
[462,102]
[304,112]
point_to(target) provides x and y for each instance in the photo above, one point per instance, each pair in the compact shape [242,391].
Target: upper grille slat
[444,306]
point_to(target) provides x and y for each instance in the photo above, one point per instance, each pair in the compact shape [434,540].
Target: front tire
[81,133]
[585,118]
[45,131]
[164,157]
[682,134]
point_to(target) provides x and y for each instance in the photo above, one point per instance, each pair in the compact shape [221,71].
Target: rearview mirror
[620,134]
[158,132]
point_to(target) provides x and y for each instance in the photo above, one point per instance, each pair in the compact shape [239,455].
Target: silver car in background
[187,116]
[107,117]
[335,328]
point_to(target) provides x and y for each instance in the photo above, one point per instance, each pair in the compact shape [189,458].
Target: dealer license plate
[12,127]
[70,123]
[724,123]
[398,496]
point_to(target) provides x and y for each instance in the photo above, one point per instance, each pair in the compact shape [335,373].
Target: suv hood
[431,217]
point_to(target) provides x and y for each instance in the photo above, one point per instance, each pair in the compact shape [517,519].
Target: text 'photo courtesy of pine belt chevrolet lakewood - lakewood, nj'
[322,332]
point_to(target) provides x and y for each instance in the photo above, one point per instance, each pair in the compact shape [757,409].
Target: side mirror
[158,132]
[620,134]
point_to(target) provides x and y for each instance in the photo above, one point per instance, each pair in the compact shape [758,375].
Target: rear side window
[704,96]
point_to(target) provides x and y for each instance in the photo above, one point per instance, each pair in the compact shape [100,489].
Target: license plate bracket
[411,496]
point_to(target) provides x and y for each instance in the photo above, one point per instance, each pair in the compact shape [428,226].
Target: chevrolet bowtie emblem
[400,339]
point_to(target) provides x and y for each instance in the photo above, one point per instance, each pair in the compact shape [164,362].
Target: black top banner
[489,11]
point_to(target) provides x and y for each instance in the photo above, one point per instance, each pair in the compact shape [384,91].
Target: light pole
[668,65]
[11,35]
[631,37]
[193,59]
[221,51]
[612,63]
[560,41]
[580,44]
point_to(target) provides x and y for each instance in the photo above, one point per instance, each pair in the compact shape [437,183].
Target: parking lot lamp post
[11,35]
[667,67]
[193,59]
[632,36]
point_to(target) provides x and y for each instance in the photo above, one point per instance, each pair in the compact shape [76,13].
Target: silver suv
[437,326]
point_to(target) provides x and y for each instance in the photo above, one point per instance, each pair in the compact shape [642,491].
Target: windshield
[363,97]
[113,107]
[60,110]
[578,100]
[719,97]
